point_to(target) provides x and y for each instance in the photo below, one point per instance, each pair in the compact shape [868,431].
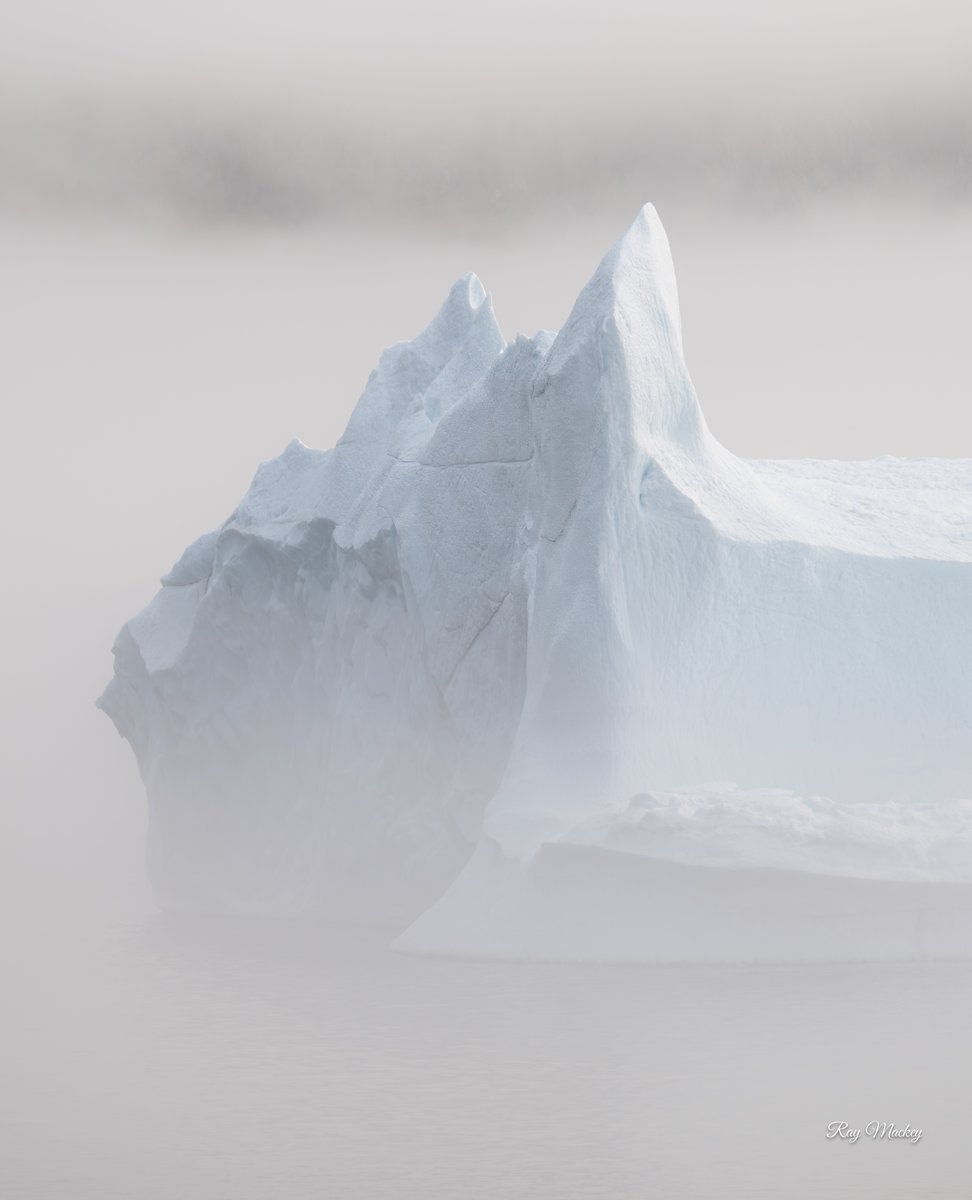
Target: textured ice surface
[528,600]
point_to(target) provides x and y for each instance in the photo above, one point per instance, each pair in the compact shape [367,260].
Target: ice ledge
[590,904]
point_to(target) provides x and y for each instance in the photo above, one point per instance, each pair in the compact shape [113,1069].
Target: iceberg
[529,664]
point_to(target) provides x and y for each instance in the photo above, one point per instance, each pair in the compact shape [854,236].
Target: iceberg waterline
[529,602]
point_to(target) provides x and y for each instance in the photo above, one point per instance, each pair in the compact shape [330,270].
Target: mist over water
[205,1058]
[188,285]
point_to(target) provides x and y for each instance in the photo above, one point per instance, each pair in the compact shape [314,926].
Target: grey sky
[294,111]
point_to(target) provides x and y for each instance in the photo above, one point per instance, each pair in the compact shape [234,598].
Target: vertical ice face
[622,452]
[526,586]
[322,695]
[611,400]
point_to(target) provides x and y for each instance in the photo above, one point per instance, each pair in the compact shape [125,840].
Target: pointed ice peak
[468,289]
[454,350]
[640,264]
[466,297]
[466,311]
[633,285]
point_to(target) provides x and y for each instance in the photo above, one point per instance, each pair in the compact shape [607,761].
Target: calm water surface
[207,1059]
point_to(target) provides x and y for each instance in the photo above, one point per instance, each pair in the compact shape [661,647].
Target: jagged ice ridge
[483,668]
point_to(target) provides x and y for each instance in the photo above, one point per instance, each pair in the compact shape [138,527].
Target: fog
[212,220]
[474,116]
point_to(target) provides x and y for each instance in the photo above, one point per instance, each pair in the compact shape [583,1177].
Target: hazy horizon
[213,218]
[443,116]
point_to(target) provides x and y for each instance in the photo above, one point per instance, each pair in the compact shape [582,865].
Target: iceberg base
[584,903]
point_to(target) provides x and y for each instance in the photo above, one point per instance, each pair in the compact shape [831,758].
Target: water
[257,1061]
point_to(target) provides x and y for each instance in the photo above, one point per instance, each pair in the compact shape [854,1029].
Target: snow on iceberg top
[889,506]
[432,403]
